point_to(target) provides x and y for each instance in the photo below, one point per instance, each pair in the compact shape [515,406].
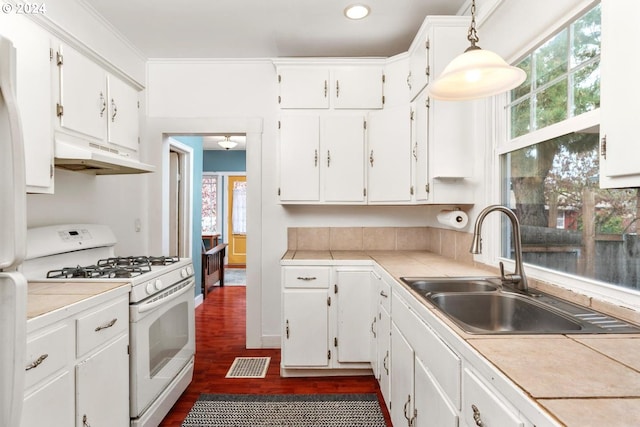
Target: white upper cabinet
[418,62]
[33,78]
[83,94]
[322,159]
[303,87]
[122,122]
[309,86]
[357,87]
[96,106]
[619,151]
[389,162]
[299,158]
[342,141]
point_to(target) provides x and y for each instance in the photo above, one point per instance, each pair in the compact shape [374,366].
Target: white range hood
[95,160]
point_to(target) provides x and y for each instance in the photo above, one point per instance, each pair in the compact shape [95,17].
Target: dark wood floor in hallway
[220,338]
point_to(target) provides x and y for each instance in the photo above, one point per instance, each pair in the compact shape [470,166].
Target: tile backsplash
[450,243]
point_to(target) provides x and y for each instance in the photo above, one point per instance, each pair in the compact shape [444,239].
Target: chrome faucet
[518,278]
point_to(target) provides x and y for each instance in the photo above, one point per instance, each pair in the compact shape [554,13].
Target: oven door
[162,336]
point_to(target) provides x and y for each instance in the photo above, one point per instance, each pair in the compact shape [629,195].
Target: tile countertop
[583,380]
[47,301]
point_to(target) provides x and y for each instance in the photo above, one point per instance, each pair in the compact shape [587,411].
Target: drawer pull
[107,326]
[37,362]
[373,327]
[306,278]
[384,294]
[85,421]
[384,362]
[476,416]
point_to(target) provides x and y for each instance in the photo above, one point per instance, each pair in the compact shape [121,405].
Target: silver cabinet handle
[328,158]
[371,158]
[305,278]
[384,294]
[114,108]
[337,88]
[406,404]
[107,325]
[287,329]
[373,325]
[384,362]
[85,422]
[476,416]
[315,158]
[415,151]
[103,104]
[409,80]
[36,362]
[326,88]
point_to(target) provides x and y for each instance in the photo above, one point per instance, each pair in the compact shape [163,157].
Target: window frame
[500,106]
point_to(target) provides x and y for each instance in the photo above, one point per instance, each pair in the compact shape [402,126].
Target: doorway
[180,206]
[237,221]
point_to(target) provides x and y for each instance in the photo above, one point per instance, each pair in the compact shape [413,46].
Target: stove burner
[116,267]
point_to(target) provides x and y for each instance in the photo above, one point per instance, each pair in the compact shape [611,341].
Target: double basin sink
[481,305]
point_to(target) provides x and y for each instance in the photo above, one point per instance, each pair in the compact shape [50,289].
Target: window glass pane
[551,104]
[586,37]
[209,203]
[525,87]
[521,118]
[551,58]
[568,223]
[586,88]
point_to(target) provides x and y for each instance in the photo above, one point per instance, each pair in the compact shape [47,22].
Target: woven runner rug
[288,410]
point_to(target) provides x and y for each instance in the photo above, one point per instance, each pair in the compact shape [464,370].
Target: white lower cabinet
[326,317]
[432,406]
[402,379]
[306,328]
[100,379]
[483,407]
[77,370]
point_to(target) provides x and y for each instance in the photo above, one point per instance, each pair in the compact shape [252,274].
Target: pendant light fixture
[227,143]
[476,73]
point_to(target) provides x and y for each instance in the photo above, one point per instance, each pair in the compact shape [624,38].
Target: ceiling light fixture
[356,11]
[476,73]
[227,143]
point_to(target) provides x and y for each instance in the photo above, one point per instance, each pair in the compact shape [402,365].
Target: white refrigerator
[13,229]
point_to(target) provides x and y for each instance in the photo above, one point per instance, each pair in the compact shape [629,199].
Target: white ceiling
[268,28]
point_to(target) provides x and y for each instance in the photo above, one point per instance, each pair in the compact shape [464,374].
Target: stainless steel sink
[511,313]
[429,285]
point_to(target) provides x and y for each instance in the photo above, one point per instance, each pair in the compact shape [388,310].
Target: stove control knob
[158,284]
[189,270]
[150,289]
[184,273]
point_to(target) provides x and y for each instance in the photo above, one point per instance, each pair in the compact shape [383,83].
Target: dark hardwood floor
[220,338]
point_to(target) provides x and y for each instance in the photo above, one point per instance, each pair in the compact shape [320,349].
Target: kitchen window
[550,166]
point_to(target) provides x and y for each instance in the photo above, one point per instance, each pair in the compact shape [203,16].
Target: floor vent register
[249,367]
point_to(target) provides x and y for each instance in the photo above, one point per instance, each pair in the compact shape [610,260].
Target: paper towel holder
[455,218]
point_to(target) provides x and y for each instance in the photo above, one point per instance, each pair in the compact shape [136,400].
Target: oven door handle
[152,305]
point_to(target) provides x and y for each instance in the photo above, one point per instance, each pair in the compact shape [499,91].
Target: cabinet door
[51,404]
[432,406]
[123,114]
[33,89]
[303,87]
[342,141]
[306,328]
[389,171]
[384,354]
[102,386]
[619,154]
[354,314]
[418,65]
[419,151]
[402,359]
[83,94]
[357,87]
[480,404]
[299,158]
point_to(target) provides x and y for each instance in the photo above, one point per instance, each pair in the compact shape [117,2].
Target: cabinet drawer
[100,326]
[306,277]
[47,353]
[482,405]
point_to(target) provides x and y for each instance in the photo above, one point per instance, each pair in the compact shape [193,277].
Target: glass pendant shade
[227,143]
[476,73]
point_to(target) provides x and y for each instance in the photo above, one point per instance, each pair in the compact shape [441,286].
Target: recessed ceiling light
[356,11]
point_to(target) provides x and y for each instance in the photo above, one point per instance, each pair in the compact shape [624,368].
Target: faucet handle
[501,264]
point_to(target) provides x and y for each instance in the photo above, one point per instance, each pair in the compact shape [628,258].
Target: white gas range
[161,311]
